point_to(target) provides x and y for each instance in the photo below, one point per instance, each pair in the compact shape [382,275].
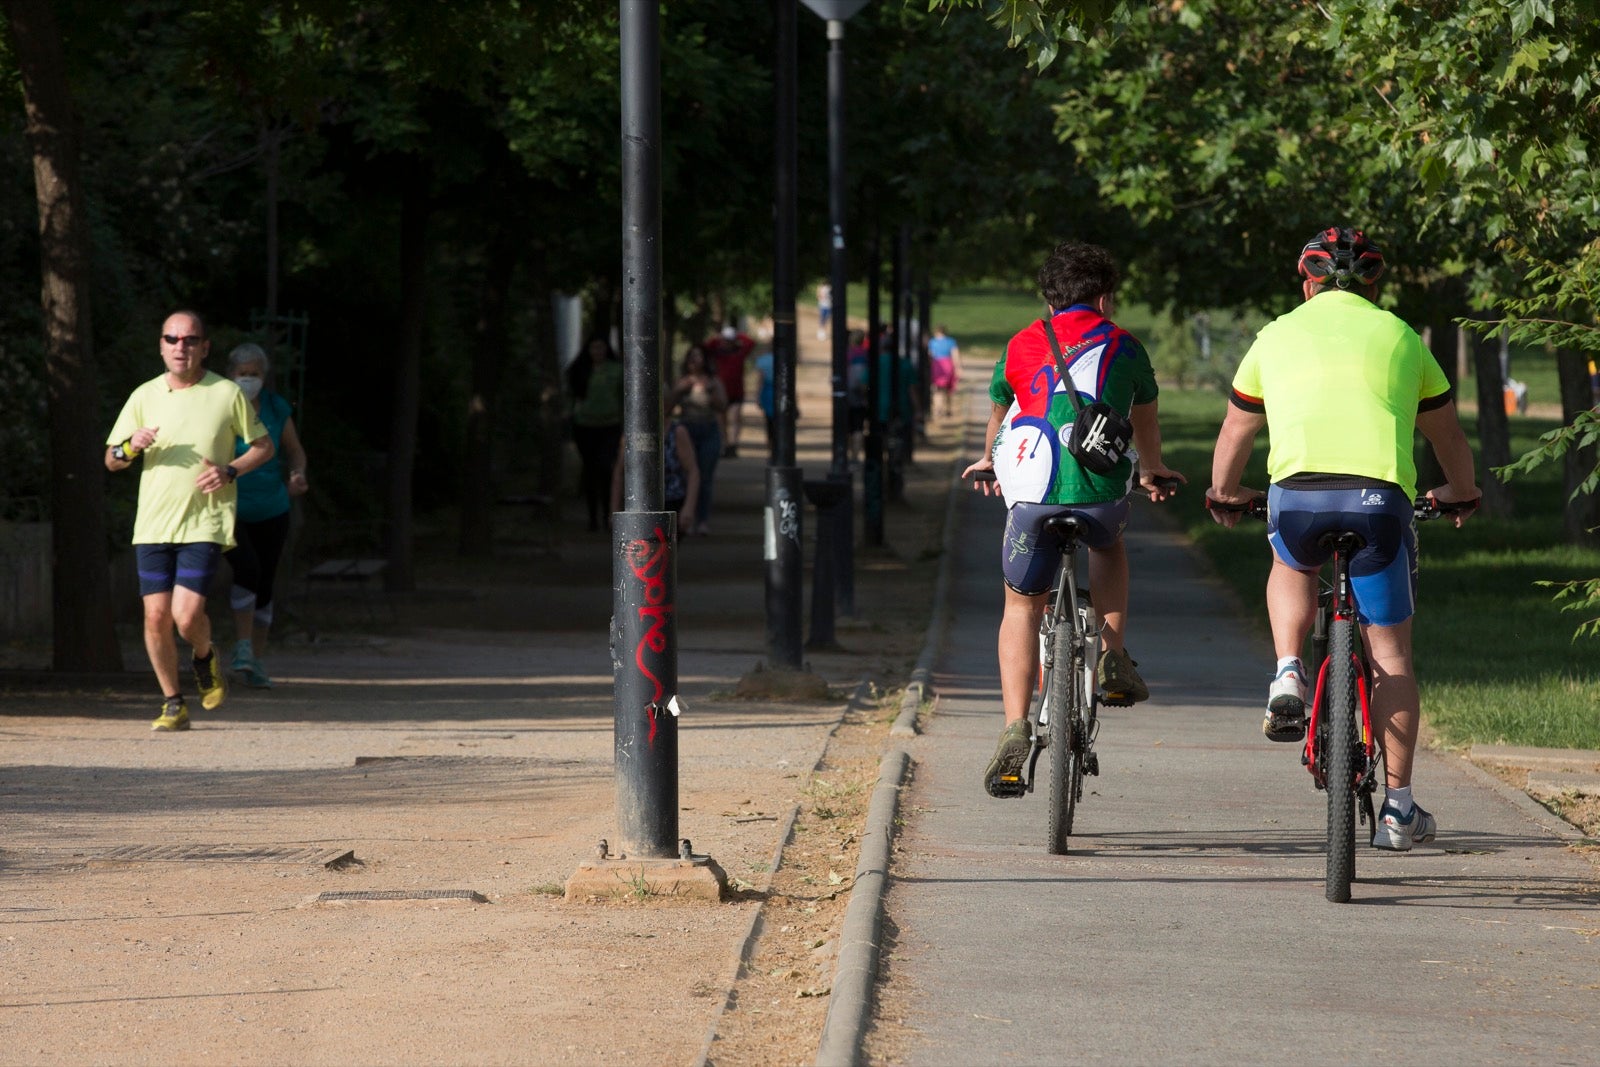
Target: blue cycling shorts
[1028,558]
[1383,574]
[190,565]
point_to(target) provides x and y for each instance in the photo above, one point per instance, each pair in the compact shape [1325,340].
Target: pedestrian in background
[944,369]
[767,396]
[262,526]
[594,383]
[183,424]
[680,477]
[700,400]
[824,309]
[728,352]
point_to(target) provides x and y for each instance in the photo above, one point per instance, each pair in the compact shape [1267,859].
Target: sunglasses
[187,342]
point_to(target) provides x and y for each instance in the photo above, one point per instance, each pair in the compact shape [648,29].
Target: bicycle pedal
[1006,786]
[1116,700]
[1091,764]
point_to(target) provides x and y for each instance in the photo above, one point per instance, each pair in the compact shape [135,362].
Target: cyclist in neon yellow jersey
[1343,384]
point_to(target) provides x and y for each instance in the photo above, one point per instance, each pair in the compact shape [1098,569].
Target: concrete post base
[648,881]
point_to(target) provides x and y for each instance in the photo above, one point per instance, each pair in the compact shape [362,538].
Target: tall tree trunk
[400,575]
[84,631]
[273,139]
[924,334]
[488,362]
[550,412]
[1494,436]
[1583,513]
[1440,335]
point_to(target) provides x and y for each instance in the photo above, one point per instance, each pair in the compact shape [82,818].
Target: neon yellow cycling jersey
[1340,381]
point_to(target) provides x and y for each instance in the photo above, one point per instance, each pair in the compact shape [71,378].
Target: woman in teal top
[262,528]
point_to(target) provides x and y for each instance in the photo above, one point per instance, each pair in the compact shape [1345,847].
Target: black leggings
[255,559]
[597,447]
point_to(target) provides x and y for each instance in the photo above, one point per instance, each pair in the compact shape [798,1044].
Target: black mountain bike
[1341,750]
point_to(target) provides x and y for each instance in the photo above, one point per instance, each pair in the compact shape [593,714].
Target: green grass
[1496,661]
[982,318]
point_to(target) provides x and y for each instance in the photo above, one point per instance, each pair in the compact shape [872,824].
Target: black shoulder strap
[1061,366]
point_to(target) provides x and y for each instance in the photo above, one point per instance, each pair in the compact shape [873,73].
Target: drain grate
[468,761]
[404,894]
[314,857]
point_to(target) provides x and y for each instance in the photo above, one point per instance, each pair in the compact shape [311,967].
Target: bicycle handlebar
[1425,508]
[1168,484]
[1256,507]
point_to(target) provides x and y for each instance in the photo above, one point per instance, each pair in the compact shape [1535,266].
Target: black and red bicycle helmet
[1341,255]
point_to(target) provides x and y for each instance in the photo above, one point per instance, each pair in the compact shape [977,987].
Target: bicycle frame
[1067,606]
[1337,632]
[1336,601]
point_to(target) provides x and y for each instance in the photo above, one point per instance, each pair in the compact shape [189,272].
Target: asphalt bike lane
[1187,923]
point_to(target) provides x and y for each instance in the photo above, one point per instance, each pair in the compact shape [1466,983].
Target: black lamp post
[843,542]
[783,547]
[644,623]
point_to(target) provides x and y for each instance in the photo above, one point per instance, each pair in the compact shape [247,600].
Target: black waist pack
[1101,435]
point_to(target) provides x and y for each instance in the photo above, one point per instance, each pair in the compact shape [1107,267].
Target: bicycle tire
[1066,763]
[1339,745]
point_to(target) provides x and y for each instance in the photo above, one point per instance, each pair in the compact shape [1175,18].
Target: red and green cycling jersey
[1104,362]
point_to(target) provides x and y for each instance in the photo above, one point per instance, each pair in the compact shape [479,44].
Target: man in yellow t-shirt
[184,424]
[1343,384]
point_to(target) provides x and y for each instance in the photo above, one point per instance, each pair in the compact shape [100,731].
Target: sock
[206,658]
[1293,663]
[176,696]
[1400,800]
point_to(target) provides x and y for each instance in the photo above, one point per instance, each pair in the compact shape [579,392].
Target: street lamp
[836,12]
[783,549]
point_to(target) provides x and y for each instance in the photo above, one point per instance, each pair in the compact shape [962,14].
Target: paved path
[1189,925]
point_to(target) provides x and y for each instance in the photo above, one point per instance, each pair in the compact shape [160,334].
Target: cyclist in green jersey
[1343,384]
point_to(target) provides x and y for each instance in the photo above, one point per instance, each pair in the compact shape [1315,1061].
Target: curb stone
[850,1002]
[1528,807]
[919,689]
[752,935]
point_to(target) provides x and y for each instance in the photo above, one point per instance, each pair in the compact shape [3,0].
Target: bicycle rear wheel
[1339,743]
[1066,746]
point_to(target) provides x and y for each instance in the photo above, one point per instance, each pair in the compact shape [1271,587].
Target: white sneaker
[1398,835]
[1286,707]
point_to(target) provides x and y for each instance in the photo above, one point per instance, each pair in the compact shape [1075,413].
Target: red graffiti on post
[649,561]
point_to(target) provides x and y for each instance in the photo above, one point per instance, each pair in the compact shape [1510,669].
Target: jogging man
[184,424]
[1040,479]
[1343,384]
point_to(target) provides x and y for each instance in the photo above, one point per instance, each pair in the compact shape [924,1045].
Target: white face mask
[249,385]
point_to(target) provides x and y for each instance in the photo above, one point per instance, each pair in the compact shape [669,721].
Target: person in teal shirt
[594,380]
[262,528]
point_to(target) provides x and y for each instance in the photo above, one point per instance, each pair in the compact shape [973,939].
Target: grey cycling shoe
[1003,776]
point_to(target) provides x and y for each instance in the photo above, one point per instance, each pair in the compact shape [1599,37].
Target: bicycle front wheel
[1339,743]
[1066,747]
